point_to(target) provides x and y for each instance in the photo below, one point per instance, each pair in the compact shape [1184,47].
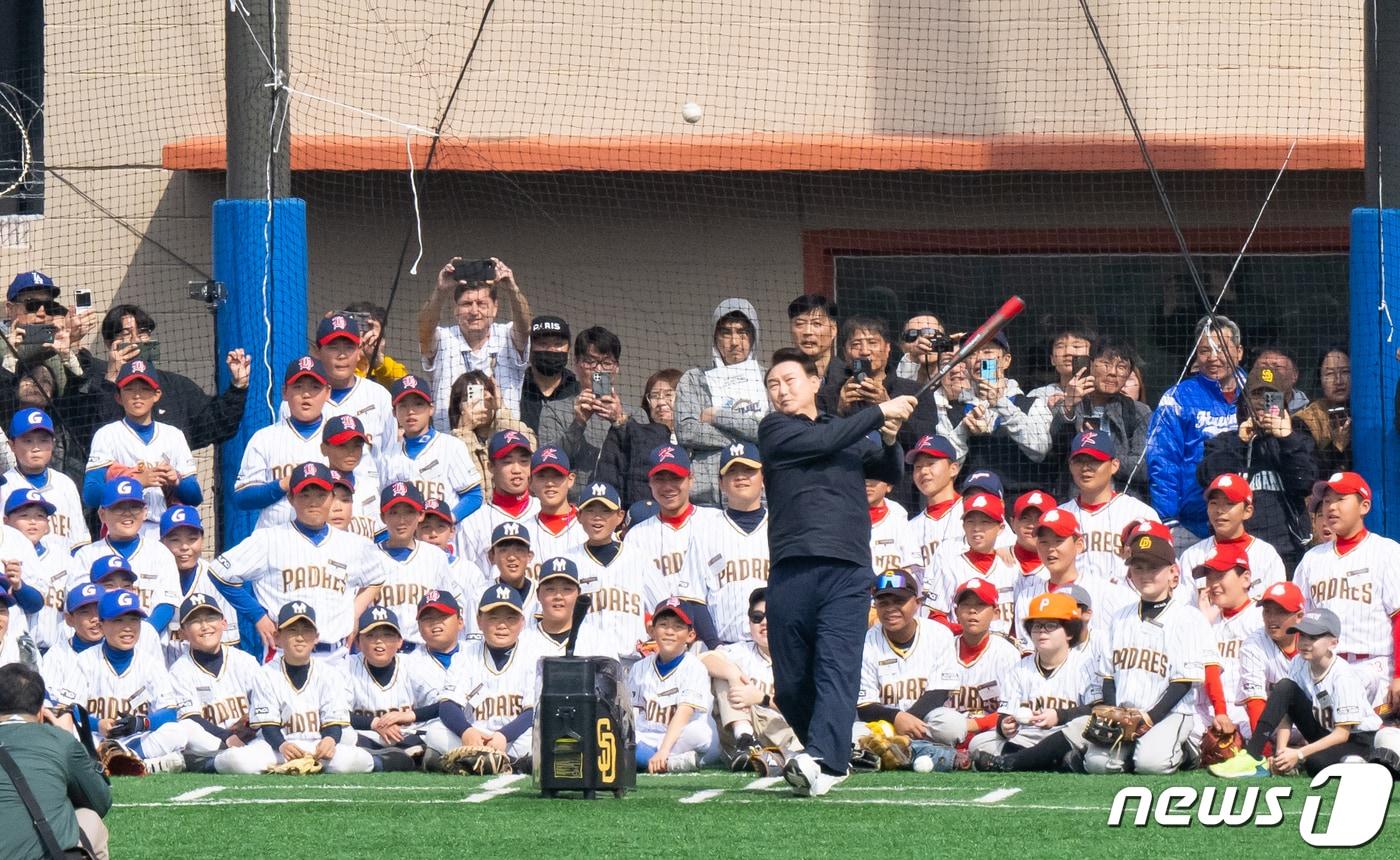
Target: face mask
[549,363]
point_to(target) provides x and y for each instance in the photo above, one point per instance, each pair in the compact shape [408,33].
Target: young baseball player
[30,513]
[264,475]
[511,557]
[1044,691]
[508,454]
[342,509]
[123,515]
[1267,652]
[142,448]
[671,694]
[440,626]
[983,523]
[1229,505]
[438,464]
[889,523]
[558,592]
[1058,543]
[32,440]
[1025,519]
[489,697]
[556,530]
[1226,575]
[182,533]
[1357,576]
[344,443]
[725,563]
[411,567]
[664,540]
[1101,511]
[305,561]
[211,682]
[742,676]
[1323,697]
[298,705]
[935,467]
[392,698]
[83,626]
[983,657]
[621,585]
[439,529]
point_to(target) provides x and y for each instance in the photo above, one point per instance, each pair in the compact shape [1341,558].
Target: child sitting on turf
[1267,652]
[391,697]
[211,682]
[83,629]
[983,656]
[671,694]
[32,439]
[1226,574]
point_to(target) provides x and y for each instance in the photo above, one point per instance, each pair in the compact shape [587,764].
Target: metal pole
[1382,36]
[255,42]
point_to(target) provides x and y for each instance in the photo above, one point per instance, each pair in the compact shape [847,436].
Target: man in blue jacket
[1196,409]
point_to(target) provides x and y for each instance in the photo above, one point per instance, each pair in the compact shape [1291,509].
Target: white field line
[763,783]
[197,793]
[702,796]
[496,787]
[998,796]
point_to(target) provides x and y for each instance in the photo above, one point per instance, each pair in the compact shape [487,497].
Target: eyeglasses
[588,362]
[756,617]
[1044,625]
[661,395]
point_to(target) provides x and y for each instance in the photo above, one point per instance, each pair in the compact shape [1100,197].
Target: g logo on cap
[124,487]
[177,515]
[125,599]
[36,418]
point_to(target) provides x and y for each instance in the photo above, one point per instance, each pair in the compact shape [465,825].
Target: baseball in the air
[1023,715]
[691,112]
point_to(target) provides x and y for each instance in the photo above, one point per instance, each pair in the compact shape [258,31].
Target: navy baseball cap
[340,429]
[108,565]
[1094,443]
[504,441]
[442,601]
[501,594]
[293,612]
[400,491]
[548,326]
[26,281]
[342,479]
[305,366]
[336,327]
[601,493]
[119,490]
[931,446]
[119,602]
[410,386]
[83,595]
[138,369]
[743,453]
[196,602]
[180,516]
[19,498]
[311,474]
[440,509]
[668,458]
[983,480]
[30,419]
[642,511]
[673,606]
[558,568]
[551,457]
[378,616]
[509,531]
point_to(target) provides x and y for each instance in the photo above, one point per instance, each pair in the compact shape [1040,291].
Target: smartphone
[148,350]
[861,369]
[1338,414]
[475,271]
[476,392]
[39,334]
[602,384]
[1273,403]
[1081,365]
[988,370]
[82,300]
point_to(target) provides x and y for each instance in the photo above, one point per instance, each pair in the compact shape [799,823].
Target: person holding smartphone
[1007,431]
[1328,418]
[1070,345]
[579,424]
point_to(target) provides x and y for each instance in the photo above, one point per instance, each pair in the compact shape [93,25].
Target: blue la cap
[335,327]
[504,441]
[443,601]
[743,453]
[668,458]
[501,594]
[378,616]
[558,568]
[30,419]
[138,369]
[601,493]
[119,602]
[1094,443]
[19,498]
[196,602]
[400,491]
[311,474]
[108,565]
[551,457]
[180,516]
[26,281]
[83,595]
[307,365]
[509,531]
[642,511]
[931,445]
[341,429]
[293,612]
[410,386]
[119,490]
[984,480]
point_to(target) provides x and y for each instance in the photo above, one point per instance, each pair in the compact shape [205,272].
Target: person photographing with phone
[579,425]
[1328,418]
[1006,430]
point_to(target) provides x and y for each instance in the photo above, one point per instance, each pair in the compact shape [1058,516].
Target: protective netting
[900,156]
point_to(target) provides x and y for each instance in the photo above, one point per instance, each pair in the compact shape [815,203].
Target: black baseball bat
[581,607]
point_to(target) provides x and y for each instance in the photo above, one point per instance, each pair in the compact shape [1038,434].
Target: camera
[474,271]
[939,342]
[211,292]
[362,319]
[861,369]
[1338,414]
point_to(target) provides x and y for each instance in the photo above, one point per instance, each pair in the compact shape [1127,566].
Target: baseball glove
[476,761]
[1110,726]
[116,761]
[893,751]
[1217,747]
[864,760]
[127,725]
[296,766]
[766,761]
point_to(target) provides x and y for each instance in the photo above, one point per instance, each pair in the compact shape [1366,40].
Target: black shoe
[743,748]
[985,760]
[392,759]
[196,763]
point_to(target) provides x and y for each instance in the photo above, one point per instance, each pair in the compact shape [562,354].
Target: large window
[21,109]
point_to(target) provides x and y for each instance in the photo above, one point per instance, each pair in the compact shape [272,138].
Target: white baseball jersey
[724,566]
[50,574]
[157,576]
[1338,697]
[1265,564]
[498,357]
[67,525]
[953,569]
[926,533]
[443,469]
[62,676]
[1107,598]
[270,456]
[624,593]
[1073,683]
[1144,655]
[592,642]
[548,544]
[897,677]
[143,688]
[474,532]
[1361,587]
[285,565]
[756,666]
[365,520]
[1103,526]
[657,697]
[1231,632]
[412,685]
[1262,665]
[426,665]
[17,627]
[405,582]
[117,443]
[980,675]
[665,547]
[493,697]
[890,538]
[369,402]
[322,701]
[203,583]
[221,698]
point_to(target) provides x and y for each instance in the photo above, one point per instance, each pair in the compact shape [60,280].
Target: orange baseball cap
[1054,606]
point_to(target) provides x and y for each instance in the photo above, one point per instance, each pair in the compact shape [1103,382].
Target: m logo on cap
[599,489]
[560,564]
[124,487]
[510,528]
[1144,543]
[736,450]
[196,599]
[379,614]
[298,607]
[125,599]
[503,592]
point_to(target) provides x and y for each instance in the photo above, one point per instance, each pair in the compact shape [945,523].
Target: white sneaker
[168,763]
[825,783]
[802,773]
[682,762]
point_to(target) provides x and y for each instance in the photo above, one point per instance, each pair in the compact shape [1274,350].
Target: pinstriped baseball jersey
[951,570]
[157,576]
[980,677]
[62,677]
[444,469]
[369,402]
[50,576]
[891,538]
[1265,564]
[1262,665]
[118,444]
[271,455]
[493,697]
[724,566]
[1073,683]
[592,642]
[1106,597]
[1230,635]
[925,535]
[664,547]
[547,544]
[221,698]
[474,532]
[1103,526]
[203,583]
[1338,697]
[405,582]
[427,666]
[623,593]
[365,520]
[897,677]
[1362,587]
[656,697]
[301,712]
[1144,655]
[412,685]
[144,686]
[756,666]
[67,525]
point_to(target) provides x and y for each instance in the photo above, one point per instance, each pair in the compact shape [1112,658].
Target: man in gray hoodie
[721,405]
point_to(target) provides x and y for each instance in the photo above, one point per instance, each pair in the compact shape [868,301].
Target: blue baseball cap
[83,595]
[19,498]
[119,602]
[440,509]
[410,386]
[119,490]
[336,327]
[558,568]
[340,429]
[309,474]
[504,441]
[26,281]
[378,616]
[509,531]
[985,481]
[400,491]
[743,453]
[602,493]
[293,612]
[138,369]
[501,594]
[30,419]
[551,457]
[180,516]
[1094,443]
[931,446]
[342,479]
[195,602]
[642,511]
[307,365]
[443,601]
[668,458]
[108,565]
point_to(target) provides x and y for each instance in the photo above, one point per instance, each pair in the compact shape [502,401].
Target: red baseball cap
[1059,521]
[1222,557]
[1346,483]
[985,503]
[983,589]
[1235,488]
[674,606]
[1034,500]
[1285,594]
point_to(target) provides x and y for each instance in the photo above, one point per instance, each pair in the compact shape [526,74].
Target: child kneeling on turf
[671,694]
[211,681]
[391,697]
